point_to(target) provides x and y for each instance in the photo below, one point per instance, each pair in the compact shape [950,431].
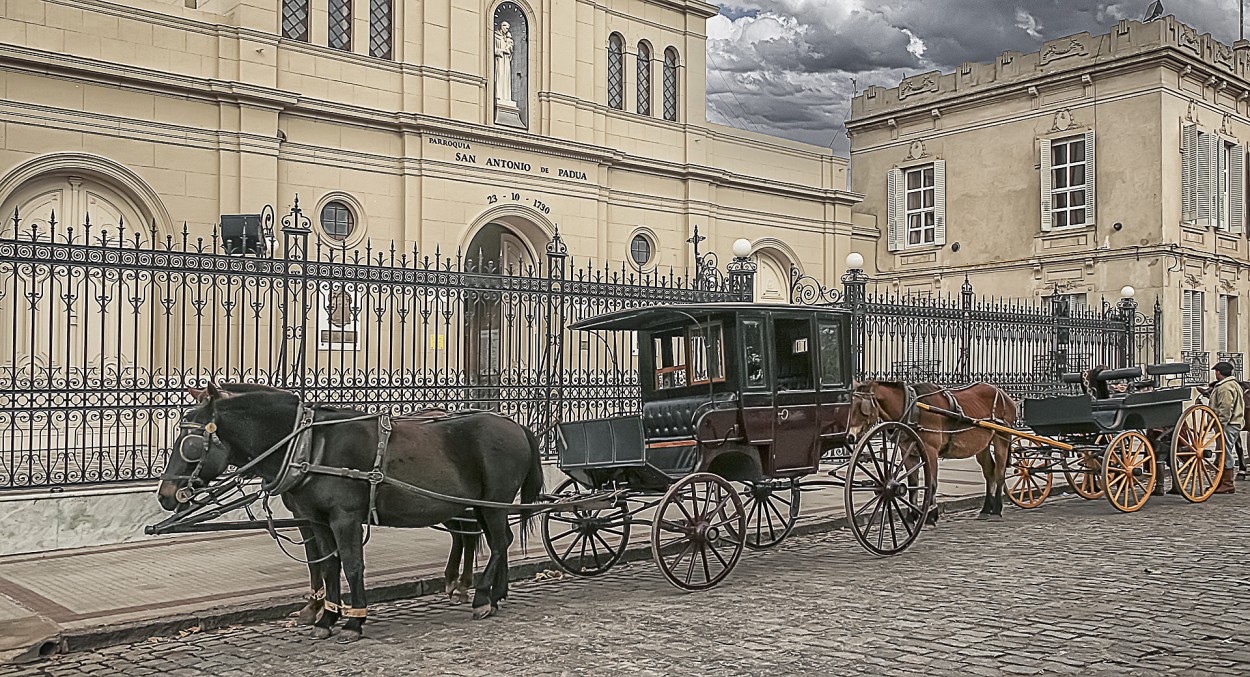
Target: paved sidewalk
[78,599]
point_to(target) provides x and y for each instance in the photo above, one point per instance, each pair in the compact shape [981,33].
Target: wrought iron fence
[1235,359]
[105,329]
[954,340]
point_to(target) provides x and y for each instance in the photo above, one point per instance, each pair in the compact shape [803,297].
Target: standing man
[1230,409]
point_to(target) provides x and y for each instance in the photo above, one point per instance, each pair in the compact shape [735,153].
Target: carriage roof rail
[1170,368]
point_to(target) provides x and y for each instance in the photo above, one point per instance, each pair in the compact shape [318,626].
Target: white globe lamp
[742,248]
[1127,292]
[854,261]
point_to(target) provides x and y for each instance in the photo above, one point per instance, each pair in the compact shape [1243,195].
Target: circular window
[640,250]
[337,220]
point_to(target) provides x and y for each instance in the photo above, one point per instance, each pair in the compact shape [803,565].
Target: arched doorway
[502,323]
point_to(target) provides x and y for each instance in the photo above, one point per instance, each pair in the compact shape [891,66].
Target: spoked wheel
[1084,473]
[1198,452]
[887,495]
[692,535]
[1029,473]
[585,542]
[1128,471]
[772,507]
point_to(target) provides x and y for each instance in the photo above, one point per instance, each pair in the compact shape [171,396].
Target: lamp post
[742,270]
[854,285]
[1128,314]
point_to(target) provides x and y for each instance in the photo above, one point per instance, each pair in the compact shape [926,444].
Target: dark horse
[943,436]
[478,456]
[464,530]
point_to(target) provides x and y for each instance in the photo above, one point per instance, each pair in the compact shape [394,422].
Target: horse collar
[294,469]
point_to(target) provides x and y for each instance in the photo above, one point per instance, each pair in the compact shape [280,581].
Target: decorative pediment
[1064,120]
[1060,50]
[919,84]
[1192,281]
[1227,286]
[916,150]
[1191,111]
[1226,125]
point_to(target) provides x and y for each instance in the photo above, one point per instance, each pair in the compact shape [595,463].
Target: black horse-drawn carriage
[739,402]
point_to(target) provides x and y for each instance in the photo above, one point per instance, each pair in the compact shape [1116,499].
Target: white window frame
[1064,189]
[1053,193]
[921,220]
[899,217]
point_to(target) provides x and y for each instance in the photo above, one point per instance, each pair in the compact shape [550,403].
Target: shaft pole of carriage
[994,426]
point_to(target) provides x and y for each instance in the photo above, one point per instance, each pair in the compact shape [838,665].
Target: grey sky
[785,67]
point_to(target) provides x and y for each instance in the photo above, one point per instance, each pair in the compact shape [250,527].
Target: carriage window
[753,350]
[794,358]
[831,354]
[670,361]
[707,362]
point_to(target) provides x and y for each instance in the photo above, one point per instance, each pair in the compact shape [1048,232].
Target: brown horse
[943,436]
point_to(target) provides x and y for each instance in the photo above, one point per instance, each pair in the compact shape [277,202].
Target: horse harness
[911,412]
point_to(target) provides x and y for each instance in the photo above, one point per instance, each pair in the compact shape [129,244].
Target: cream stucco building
[406,121]
[1098,162]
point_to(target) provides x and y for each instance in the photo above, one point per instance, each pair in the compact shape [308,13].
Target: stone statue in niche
[503,65]
[509,47]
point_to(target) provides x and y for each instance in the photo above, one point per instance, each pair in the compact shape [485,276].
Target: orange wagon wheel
[1198,449]
[1128,471]
[1028,473]
[1084,472]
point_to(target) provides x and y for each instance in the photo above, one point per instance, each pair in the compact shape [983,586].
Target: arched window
[380,13]
[644,79]
[616,72]
[295,20]
[340,25]
[670,84]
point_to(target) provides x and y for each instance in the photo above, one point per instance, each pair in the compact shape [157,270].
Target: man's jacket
[1229,403]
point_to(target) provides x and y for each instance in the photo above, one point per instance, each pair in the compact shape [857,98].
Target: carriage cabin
[741,390]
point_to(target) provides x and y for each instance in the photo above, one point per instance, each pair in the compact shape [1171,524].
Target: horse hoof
[348,636]
[994,518]
[320,633]
[481,612]
[308,616]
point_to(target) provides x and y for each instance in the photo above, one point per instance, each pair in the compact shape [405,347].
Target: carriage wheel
[770,513]
[692,535]
[1198,452]
[585,542]
[1029,473]
[1128,471]
[1084,473]
[887,497]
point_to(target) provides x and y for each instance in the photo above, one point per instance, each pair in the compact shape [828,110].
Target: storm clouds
[789,67]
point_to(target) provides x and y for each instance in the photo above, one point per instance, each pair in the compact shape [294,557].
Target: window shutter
[939,202]
[1046,185]
[1090,170]
[1208,176]
[1196,331]
[1223,313]
[1237,189]
[1187,320]
[1189,173]
[895,230]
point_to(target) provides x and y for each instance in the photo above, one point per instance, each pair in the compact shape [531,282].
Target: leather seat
[670,419]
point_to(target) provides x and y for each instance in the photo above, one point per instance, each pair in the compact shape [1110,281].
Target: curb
[280,607]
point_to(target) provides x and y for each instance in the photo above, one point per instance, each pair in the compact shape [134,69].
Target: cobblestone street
[1071,588]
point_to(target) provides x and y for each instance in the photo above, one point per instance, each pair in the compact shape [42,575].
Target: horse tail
[532,486]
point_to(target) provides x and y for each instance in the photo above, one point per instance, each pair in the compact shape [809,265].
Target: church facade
[458,125]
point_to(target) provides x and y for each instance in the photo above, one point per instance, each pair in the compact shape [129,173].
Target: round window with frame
[641,250]
[337,221]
